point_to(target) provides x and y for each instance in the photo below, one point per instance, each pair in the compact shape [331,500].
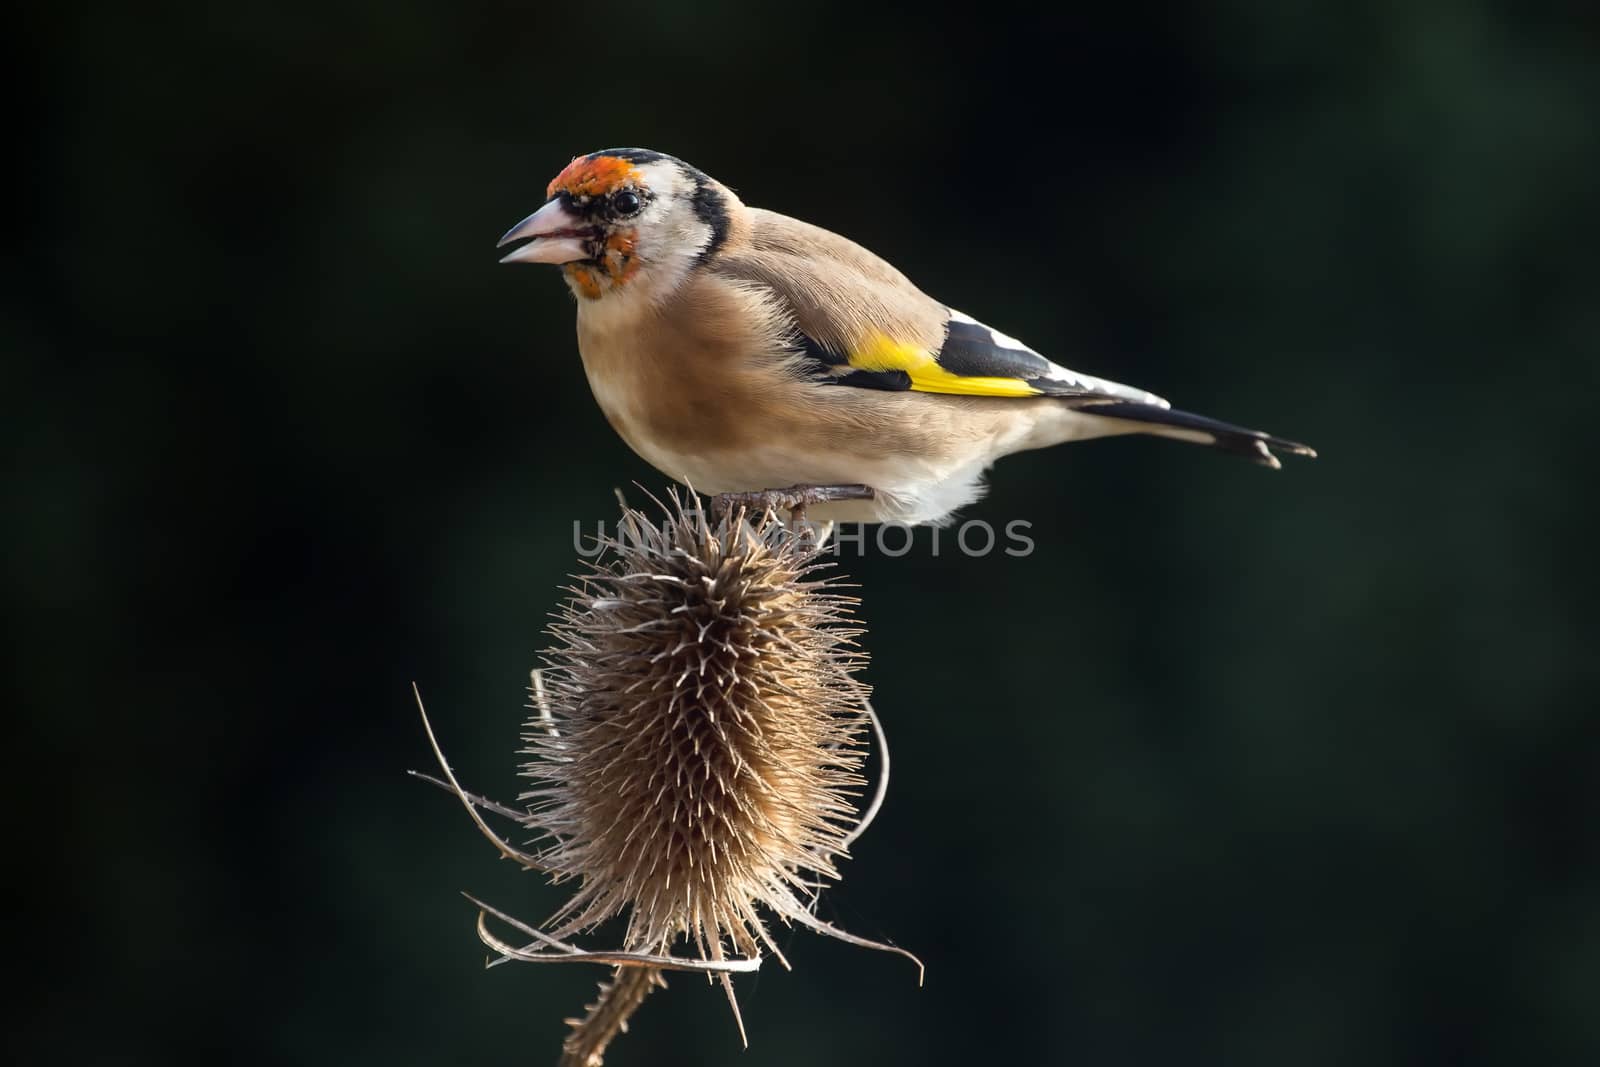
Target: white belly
[908,491]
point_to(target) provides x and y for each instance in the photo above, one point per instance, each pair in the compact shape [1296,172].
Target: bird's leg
[794,499]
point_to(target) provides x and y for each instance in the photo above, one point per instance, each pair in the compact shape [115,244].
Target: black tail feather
[1251,444]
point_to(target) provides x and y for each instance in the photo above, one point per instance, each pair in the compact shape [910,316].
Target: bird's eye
[626,203]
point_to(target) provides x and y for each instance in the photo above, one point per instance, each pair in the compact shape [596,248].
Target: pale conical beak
[559,236]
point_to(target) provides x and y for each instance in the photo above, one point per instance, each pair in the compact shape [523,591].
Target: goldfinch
[739,350]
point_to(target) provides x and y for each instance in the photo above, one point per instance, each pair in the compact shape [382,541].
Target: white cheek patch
[663,180]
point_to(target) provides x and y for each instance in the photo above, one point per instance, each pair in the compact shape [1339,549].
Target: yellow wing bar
[882,353]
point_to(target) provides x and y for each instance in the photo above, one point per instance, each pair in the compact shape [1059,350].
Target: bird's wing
[973,360]
[863,323]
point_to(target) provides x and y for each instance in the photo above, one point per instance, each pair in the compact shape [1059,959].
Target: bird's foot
[794,499]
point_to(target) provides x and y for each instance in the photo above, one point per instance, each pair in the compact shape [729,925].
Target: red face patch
[593,177]
[618,263]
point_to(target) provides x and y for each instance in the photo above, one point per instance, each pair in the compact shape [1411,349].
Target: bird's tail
[1183,426]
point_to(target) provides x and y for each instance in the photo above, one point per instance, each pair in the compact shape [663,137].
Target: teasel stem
[608,1015]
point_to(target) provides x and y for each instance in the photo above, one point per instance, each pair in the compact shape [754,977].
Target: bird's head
[624,219]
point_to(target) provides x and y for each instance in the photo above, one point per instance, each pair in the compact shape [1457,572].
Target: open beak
[554,235]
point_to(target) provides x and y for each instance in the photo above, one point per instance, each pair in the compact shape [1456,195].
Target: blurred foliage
[1234,769]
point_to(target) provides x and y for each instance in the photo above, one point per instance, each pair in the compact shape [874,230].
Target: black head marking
[711,208]
[636,156]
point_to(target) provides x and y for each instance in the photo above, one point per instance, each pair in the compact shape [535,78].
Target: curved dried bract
[571,954]
[528,861]
[482,802]
[882,789]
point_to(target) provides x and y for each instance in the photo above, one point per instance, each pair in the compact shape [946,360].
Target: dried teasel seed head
[695,753]
[707,721]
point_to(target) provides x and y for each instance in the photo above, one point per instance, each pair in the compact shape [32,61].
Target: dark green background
[1237,768]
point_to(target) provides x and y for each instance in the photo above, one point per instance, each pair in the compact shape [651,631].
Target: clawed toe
[795,499]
